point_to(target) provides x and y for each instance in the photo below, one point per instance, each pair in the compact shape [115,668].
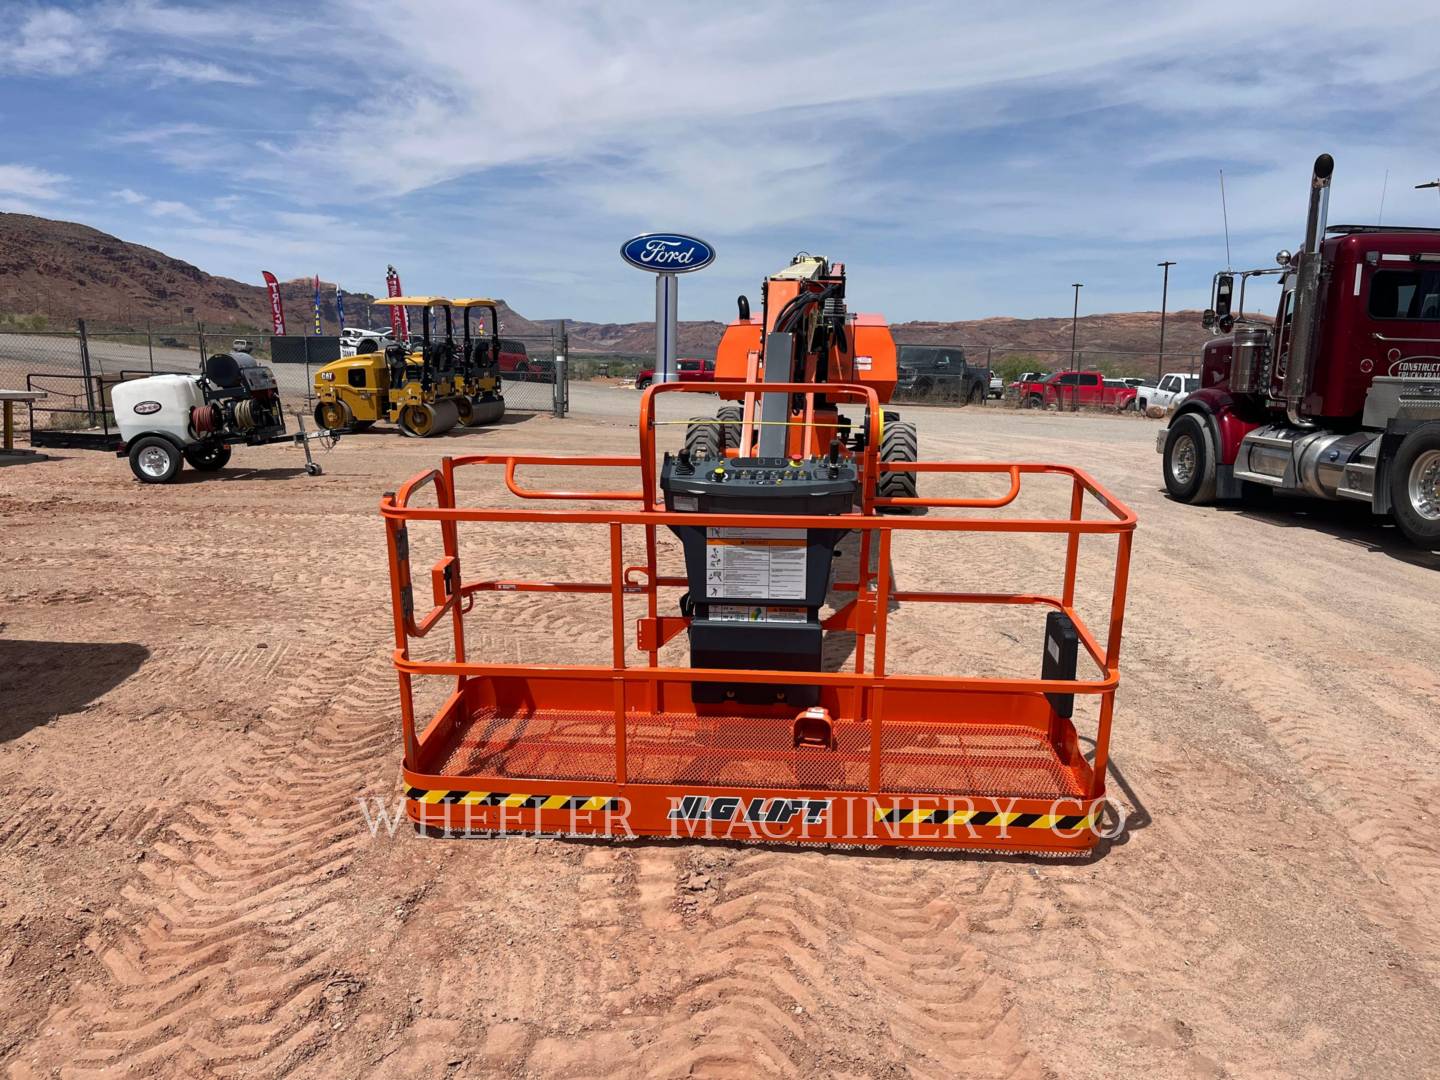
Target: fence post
[86,372]
[150,345]
[562,372]
[200,334]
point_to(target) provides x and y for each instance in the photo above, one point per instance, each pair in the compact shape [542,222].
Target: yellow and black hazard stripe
[911,815]
[512,801]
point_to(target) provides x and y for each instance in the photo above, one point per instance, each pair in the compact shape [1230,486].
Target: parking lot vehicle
[1339,397]
[1026,377]
[354,339]
[758,738]
[416,390]
[1172,389]
[940,371]
[1070,389]
[687,369]
[997,386]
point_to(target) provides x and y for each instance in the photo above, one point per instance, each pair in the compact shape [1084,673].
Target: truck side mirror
[1224,288]
[1208,319]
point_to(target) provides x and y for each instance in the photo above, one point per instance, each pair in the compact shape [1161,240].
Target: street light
[1075,321]
[1164,297]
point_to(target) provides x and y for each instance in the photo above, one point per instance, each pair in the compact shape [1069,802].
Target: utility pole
[1164,298]
[1075,321]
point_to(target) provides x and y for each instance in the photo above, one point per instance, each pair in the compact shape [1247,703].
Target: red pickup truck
[686,370]
[1069,389]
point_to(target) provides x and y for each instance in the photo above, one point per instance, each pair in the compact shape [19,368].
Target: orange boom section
[739,745]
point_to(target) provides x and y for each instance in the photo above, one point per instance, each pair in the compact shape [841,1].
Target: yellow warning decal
[515,801]
[911,815]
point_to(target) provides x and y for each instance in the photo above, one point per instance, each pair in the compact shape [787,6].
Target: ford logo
[667,253]
[145,408]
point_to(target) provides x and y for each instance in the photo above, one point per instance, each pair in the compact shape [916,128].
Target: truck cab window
[1405,294]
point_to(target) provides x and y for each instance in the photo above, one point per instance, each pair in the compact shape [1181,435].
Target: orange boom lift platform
[753,741]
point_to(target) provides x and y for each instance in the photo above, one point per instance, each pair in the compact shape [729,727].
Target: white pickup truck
[1175,387]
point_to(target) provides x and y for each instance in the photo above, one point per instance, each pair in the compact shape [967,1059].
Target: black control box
[755,592]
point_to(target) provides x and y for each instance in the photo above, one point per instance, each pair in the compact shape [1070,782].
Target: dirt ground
[195,697]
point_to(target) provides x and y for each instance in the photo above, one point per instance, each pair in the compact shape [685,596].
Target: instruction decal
[755,563]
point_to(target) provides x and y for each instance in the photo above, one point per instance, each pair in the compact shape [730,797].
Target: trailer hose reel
[205,419]
[245,415]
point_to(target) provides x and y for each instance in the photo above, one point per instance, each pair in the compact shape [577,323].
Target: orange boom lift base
[624,749]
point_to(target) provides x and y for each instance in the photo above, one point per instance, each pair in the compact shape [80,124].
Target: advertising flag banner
[399,318]
[318,330]
[277,308]
[340,306]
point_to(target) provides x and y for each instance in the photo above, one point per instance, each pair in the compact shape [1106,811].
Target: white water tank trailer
[166,421]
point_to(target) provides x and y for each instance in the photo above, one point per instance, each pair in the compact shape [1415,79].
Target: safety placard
[755,564]
[756,613]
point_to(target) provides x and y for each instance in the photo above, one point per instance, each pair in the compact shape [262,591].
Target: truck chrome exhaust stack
[1304,332]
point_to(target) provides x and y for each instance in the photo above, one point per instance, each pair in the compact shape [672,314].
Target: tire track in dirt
[207,949]
[793,944]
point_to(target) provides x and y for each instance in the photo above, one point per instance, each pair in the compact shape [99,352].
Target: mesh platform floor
[681,748]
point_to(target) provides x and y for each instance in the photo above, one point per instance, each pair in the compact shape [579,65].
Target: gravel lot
[197,692]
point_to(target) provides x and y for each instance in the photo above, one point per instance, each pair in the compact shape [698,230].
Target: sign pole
[667,325]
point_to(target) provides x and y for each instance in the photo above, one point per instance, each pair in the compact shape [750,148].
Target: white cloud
[130,197]
[168,208]
[177,69]
[51,41]
[28,182]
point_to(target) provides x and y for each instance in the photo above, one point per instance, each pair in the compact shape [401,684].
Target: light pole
[1075,321]
[1164,297]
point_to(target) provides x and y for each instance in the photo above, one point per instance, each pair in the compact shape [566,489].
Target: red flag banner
[277,309]
[399,317]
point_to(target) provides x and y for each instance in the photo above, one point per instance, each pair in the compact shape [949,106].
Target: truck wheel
[154,460]
[898,442]
[1034,401]
[334,415]
[1415,487]
[976,395]
[1189,461]
[731,417]
[641,384]
[702,438]
[207,458]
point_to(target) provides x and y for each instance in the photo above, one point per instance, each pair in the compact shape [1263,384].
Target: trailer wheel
[207,458]
[334,416]
[1415,487]
[154,460]
[1190,460]
[730,417]
[898,442]
[702,438]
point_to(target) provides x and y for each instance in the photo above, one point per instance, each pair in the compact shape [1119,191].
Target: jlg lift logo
[732,808]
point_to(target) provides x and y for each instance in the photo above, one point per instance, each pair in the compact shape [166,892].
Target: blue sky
[962,160]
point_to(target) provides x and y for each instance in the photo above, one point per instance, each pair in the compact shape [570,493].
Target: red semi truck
[1339,397]
[1071,388]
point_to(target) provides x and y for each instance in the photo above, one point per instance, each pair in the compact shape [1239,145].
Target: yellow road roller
[418,389]
[481,400]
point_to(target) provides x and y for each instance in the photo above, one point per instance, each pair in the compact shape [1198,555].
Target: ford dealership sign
[667,253]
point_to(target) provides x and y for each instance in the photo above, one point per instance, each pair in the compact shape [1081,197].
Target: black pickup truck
[940,372]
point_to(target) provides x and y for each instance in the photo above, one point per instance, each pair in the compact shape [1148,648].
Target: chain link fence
[76,366]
